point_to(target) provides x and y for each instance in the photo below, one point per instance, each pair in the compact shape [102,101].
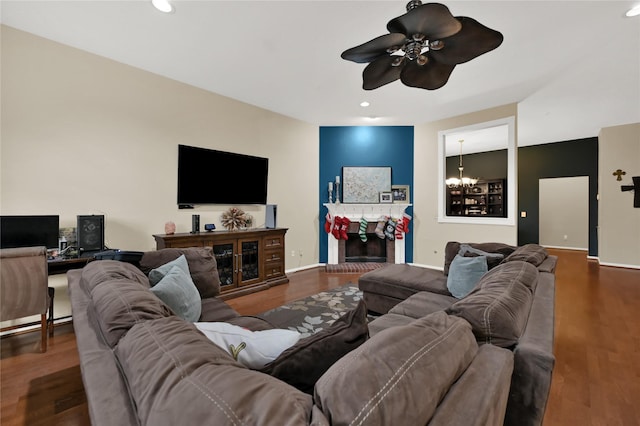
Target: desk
[61,265]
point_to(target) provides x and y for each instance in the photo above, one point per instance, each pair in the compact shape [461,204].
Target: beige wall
[82,134]
[432,236]
[619,221]
[564,212]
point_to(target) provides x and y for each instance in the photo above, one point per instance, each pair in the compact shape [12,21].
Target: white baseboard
[619,265]
[302,268]
[440,268]
[567,248]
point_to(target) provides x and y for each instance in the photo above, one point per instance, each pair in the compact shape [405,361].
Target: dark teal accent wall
[390,146]
[563,159]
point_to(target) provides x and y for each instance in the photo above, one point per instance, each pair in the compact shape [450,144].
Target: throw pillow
[253,349]
[464,274]
[157,274]
[302,364]
[179,292]
[202,266]
[493,259]
[531,253]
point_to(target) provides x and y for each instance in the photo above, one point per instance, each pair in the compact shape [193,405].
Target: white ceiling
[573,67]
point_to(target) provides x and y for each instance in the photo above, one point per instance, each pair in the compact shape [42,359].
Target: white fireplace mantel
[372,213]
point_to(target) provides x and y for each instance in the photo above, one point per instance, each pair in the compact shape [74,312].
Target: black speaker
[90,234]
[195,223]
[271,213]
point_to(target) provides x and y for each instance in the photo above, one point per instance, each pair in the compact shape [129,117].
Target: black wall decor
[635,188]
[563,159]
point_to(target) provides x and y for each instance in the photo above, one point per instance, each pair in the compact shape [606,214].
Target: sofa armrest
[479,397]
[530,384]
[534,359]
[100,369]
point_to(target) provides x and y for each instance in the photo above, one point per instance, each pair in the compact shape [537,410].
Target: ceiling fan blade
[375,48]
[380,72]
[472,41]
[432,19]
[430,76]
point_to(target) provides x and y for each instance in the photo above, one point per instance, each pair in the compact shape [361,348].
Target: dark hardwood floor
[596,380]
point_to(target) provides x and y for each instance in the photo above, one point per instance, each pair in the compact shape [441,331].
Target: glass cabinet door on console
[226,261]
[249,269]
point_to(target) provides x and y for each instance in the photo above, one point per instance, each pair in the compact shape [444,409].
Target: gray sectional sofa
[512,306]
[144,365]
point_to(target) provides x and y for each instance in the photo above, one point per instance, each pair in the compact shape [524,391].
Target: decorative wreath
[233,219]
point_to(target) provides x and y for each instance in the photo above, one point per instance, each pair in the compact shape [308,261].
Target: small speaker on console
[195,223]
[90,234]
[209,226]
[271,213]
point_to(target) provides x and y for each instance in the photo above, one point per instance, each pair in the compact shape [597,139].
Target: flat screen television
[207,176]
[29,231]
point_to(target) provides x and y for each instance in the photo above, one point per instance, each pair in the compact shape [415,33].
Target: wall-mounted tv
[29,231]
[207,176]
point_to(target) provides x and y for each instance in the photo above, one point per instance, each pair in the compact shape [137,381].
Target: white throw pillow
[254,349]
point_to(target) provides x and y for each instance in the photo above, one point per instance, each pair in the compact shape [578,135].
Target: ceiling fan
[422,48]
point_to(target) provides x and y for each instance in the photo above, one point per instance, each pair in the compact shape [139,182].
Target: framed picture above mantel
[364,184]
[401,194]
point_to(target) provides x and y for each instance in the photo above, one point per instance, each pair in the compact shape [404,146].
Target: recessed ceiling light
[372,118]
[364,104]
[635,11]
[162,5]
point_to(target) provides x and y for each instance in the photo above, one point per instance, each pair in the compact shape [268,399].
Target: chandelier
[457,182]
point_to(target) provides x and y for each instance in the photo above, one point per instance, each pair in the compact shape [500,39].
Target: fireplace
[375,249]
[393,251]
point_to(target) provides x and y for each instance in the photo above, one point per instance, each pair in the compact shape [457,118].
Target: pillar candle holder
[337,184]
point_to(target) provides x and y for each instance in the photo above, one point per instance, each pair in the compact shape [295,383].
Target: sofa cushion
[498,307]
[202,385]
[177,290]
[493,259]
[253,349]
[119,304]
[422,304]
[202,266]
[401,280]
[302,364]
[532,253]
[400,373]
[453,247]
[464,274]
[100,271]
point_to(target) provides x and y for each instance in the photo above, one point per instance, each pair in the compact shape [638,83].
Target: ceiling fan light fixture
[423,47]
[398,61]
[436,45]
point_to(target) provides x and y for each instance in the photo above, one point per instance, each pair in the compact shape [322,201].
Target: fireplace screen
[373,250]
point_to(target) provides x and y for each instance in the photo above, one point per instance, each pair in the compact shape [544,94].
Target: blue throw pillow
[178,291]
[155,275]
[464,274]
